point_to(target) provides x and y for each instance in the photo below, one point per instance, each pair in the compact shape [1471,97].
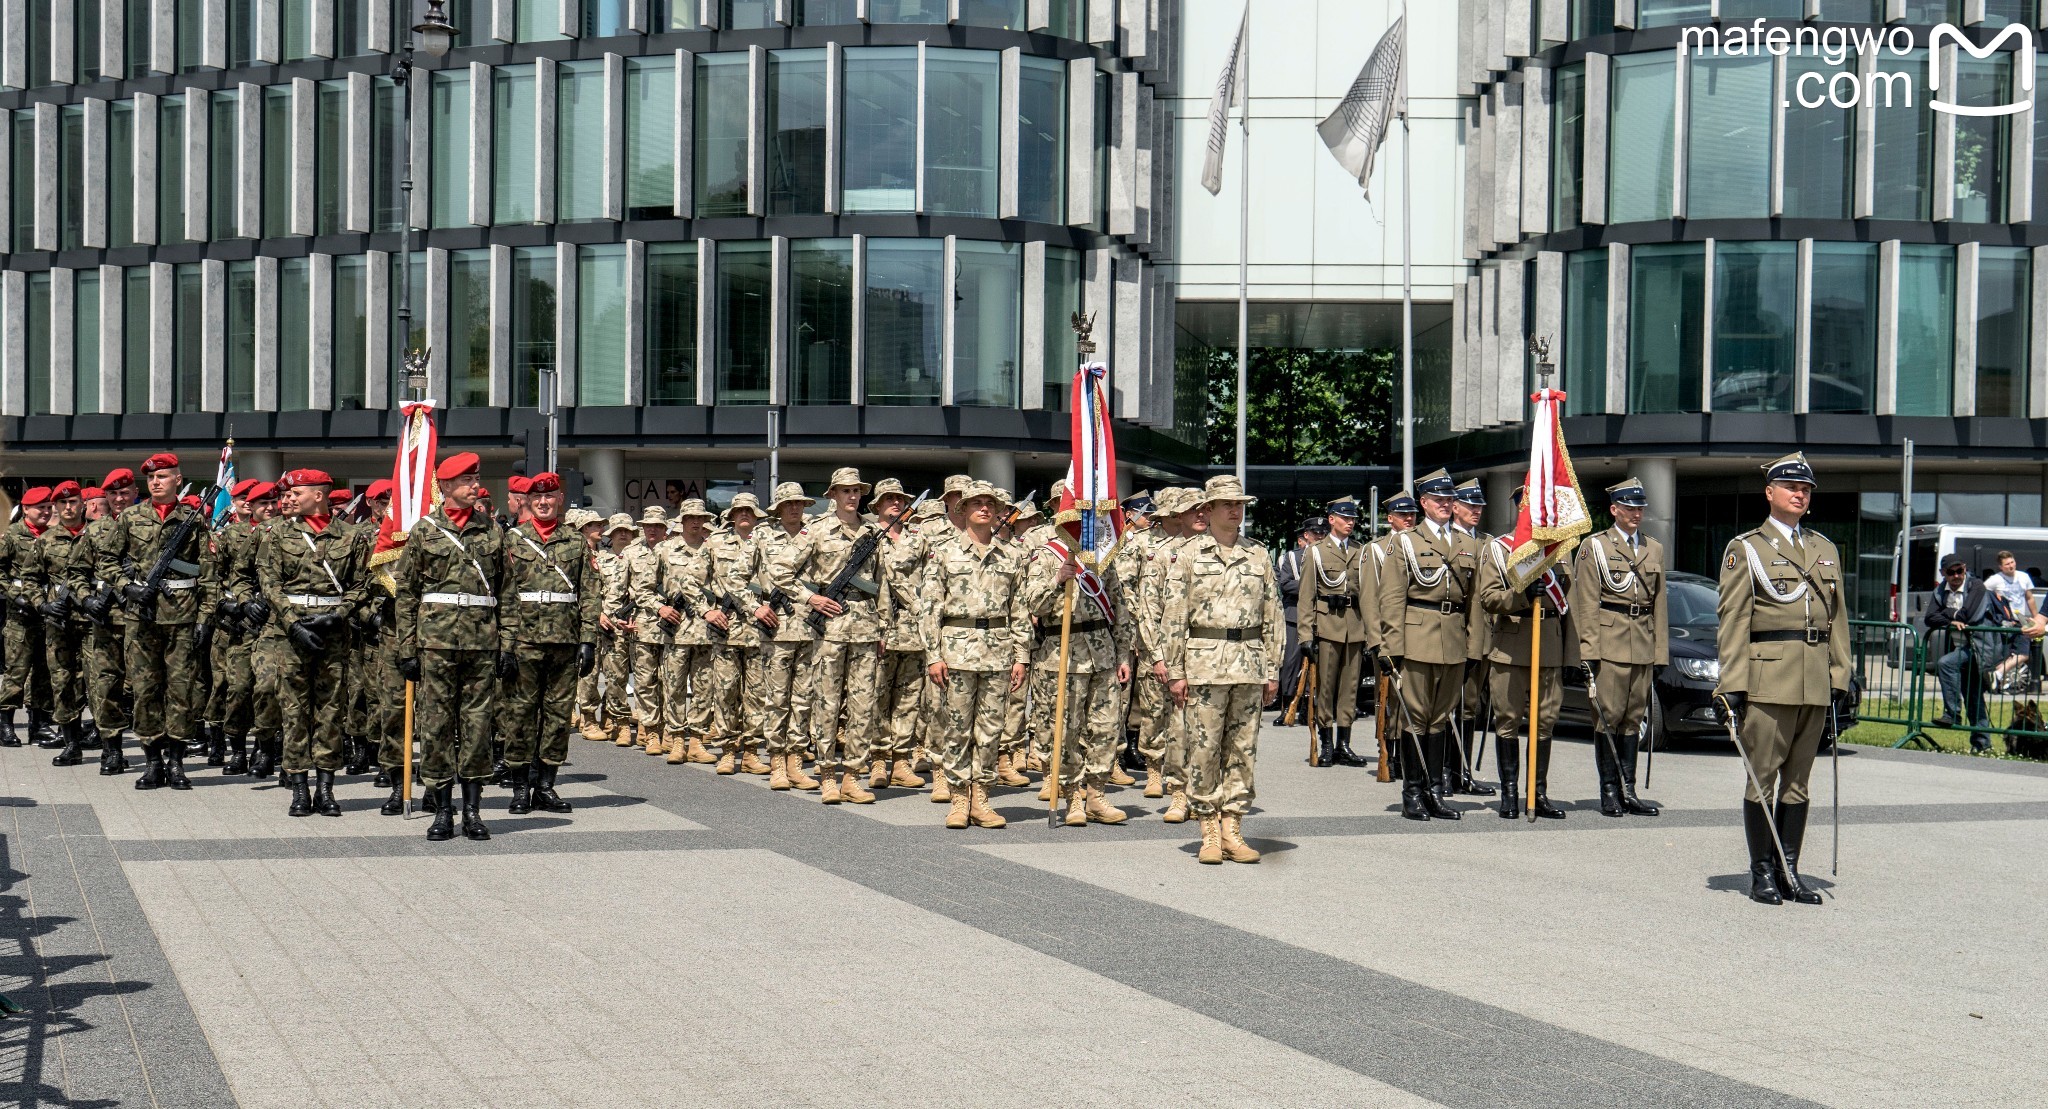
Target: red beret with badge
[155,462]
[458,466]
[65,489]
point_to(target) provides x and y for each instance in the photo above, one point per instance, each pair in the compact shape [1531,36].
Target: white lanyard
[544,558]
[311,546]
[473,563]
[1614,584]
[1415,568]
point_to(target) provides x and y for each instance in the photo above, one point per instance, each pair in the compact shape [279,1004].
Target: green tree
[1308,407]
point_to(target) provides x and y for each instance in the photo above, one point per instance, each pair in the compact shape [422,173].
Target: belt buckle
[1447,608]
[1812,636]
[1634,609]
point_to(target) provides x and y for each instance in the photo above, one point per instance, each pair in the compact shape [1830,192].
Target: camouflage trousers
[1222,745]
[106,676]
[66,645]
[387,701]
[785,697]
[536,704]
[1089,739]
[313,702]
[1041,691]
[685,690]
[164,677]
[265,662]
[974,705]
[28,674]
[844,678]
[647,689]
[234,684]
[1161,738]
[453,708]
[899,694]
[615,664]
[1015,704]
[216,678]
[733,697]
[357,699]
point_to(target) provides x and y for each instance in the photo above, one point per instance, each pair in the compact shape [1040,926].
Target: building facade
[873,217]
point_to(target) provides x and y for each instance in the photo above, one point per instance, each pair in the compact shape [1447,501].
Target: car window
[1692,605]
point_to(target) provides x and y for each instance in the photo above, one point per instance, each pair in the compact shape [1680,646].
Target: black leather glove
[1390,663]
[1593,668]
[1841,701]
[99,604]
[22,605]
[202,637]
[586,658]
[327,624]
[409,668]
[1733,704]
[256,613]
[56,608]
[377,620]
[1533,591]
[508,665]
[138,593]
[303,637]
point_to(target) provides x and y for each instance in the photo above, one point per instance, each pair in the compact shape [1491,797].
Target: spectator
[2017,588]
[1959,603]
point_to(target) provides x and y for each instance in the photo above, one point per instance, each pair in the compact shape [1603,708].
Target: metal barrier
[1994,672]
[1890,667]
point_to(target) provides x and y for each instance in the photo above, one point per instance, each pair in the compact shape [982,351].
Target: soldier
[28,679]
[213,596]
[1176,523]
[1784,644]
[1403,512]
[65,574]
[975,629]
[1334,621]
[1223,626]
[736,694]
[615,619]
[233,567]
[585,720]
[944,522]
[547,638]
[1507,609]
[785,664]
[448,642]
[1623,638]
[1098,666]
[899,690]
[1137,521]
[650,635]
[1287,575]
[1465,514]
[378,655]
[164,662]
[1426,589]
[693,624]
[517,488]
[106,665]
[312,571]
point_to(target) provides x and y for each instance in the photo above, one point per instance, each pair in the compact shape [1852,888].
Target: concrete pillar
[998,468]
[1660,482]
[1500,486]
[604,473]
[260,465]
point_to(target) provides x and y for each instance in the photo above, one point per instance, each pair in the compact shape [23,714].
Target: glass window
[672,323]
[1568,147]
[1927,330]
[471,20]
[1728,145]
[1042,140]
[1998,13]
[241,336]
[1640,140]
[450,167]
[188,336]
[1062,299]
[36,343]
[1852,11]
[907,11]
[601,325]
[351,331]
[603,18]
[1841,344]
[85,342]
[821,321]
[85,45]
[387,131]
[242,32]
[650,138]
[985,314]
[721,133]
[71,177]
[352,28]
[121,173]
[1905,138]
[1671,13]
[1820,143]
[533,321]
[962,131]
[469,328]
[170,169]
[1007,14]
[674,15]
[1591,17]
[295,29]
[136,38]
[1934,11]
[1066,19]
[745,287]
[881,129]
[191,34]
[901,338]
[2040,117]
[746,15]
[1980,140]
[512,143]
[1584,359]
[579,140]
[2004,302]
[223,150]
[330,157]
[277,160]
[294,335]
[796,132]
[135,339]
[537,21]
[1755,287]
[38,34]
[1666,295]
[22,168]
[825,13]
[1769,9]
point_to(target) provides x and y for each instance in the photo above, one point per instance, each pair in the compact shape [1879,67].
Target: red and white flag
[1090,521]
[414,493]
[1553,515]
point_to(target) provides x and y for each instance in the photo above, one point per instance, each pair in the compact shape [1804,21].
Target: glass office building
[874,217]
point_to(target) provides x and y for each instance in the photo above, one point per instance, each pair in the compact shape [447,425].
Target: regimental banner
[414,493]
[1553,515]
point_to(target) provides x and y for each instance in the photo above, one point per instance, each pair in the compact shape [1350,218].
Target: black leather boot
[1610,777]
[394,805]
[72,754]
[153,774]
[384,777]
[93,742]
[501,775]
[323,794]
[443,826]
[1134,759]
[522,790]
[363,760]
[302,798]
[1326,748]
[174,764]
[1510,776]
[1627,769]
[1345,755]
[216,743]
[238,754]
[472,800]
[264,761]
[8,738]
[544,796]
[1792,829]
[1434,764]
[112,761]
[1544,809]
[1466,783]
[43,728]
[1763,859]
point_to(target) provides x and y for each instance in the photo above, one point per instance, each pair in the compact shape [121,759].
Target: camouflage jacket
[135,543]
[809,564]
[1095,645]
[21,567]
[443,562]
[643,587]
[66,560]
[231,571]
[98,534]
[974,616]
[685,576]
[902,558]
[1214,593]
[302,573]
[611,576]
[771,542]
[551,594]
[732,568]
[1160,556]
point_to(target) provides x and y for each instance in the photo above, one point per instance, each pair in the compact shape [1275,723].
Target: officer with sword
[1623,638]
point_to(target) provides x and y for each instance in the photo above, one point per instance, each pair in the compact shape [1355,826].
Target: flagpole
[1244,236]
[1407,292]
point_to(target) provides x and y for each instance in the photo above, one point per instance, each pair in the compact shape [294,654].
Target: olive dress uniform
[448,599]
[1619,597]
[1426,599]
[1332,618]
[547,624]
[1509,611]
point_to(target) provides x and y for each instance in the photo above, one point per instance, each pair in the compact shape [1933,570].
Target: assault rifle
[144,595]
[857,560]
[1008,526]
[775,599]
[681,604]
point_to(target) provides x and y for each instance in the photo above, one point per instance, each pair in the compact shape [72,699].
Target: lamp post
[434,36]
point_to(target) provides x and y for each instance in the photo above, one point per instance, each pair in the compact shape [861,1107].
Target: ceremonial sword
[1771,821]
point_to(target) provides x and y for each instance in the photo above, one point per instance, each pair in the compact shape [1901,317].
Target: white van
[1979,546]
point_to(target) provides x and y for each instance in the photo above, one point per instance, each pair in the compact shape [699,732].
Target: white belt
[549,598]
[460,600]
[308,600]
[172,585]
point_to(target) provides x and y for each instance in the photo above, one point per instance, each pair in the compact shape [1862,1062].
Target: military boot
[1345,755]
[443,800]
[394,805]
[728,763]
[978,811]
[1610,778]
[591,730]
[383,778]
[653,741]
[851,793]
[1176,809]
[1211,852]
[1132,758]
[174,764]
[323,793]
[778,773]
[678,753]
[1763,860]
[624,736]
[1045,790]
[1154,787]
[797,778]
[1627,768]
[1118,778]
[1326,747]
[112,761]
[697,753]
[1077,810]
[544,796]
[153,774]
[1510,776]
[43,729]
[264,762]
[472,800]
[1100,811]
[956,817]
[366,757]
[92,735]
[1005,775]
[829,792]
[73,753]
[750,763]
[903,777]
[1234,847]
[522,791]
[302,798]
[1544,809]
[501,774]
[8,737]
[1792,833]
[238,754]
[878,773]
[1432,770]
[942,791]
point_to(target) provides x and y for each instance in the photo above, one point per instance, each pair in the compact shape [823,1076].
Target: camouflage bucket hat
[653,515]
[786,492]
[743,500]
[694,509]
[619,521]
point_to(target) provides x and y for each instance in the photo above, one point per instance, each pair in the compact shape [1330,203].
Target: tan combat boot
[829,792]
[1177,810]
[655,742]
[1234,847]
[1034,762]
[851,793]
[1045,791]
[625,736]
[698,752]
[1102,812]
[797,777]
[979,812]
[956,817]
[1154,786]
[1077,811]
[727,763]
[778,774]
[1008,776]
[1212,842]
[676,754]
[751,763]
[941,791]
[593,731]
[878,774]
[903,777]
[1118,778]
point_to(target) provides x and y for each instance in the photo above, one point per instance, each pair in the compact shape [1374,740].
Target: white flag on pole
[1229,90]
[1355,130]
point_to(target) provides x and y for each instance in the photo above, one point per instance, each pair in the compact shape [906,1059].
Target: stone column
[261,465]
[998,468]
[604,472]
[1500,486]
[1660,481]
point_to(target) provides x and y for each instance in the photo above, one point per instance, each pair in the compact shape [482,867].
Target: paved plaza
[686,939]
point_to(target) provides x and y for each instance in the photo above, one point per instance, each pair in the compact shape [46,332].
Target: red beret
[544,483]
[191,500]
[94,493]
[36,495]
[457,465]
[378,488]
[517,484]
[65,489]
[340,496]
[263,490]
[155,462]
[297,478]
[242,487]
[115,479]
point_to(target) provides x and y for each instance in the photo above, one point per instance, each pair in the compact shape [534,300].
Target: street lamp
[434,35]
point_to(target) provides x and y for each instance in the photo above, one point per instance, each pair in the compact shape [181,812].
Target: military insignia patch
[1731,560]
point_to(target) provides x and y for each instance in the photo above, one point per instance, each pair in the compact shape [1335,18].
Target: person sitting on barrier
[1961,602]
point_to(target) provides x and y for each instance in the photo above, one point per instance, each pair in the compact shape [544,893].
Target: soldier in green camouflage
[589,687]
[693,622]
[27,683]
[232,572]
[977,639]
[1099,640]
[106,671]
[378,656]
[899,690]
[269,654]
[1224,631]
[547,637]
[448,642]
[66,576]
[786,663]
